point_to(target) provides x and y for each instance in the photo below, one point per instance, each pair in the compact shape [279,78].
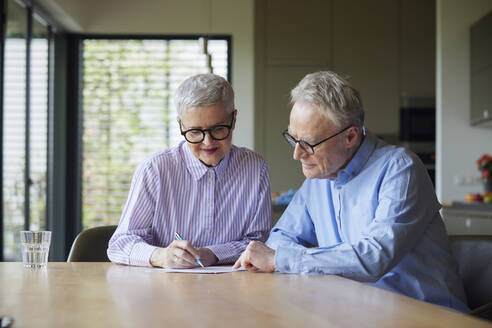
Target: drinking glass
[35,248]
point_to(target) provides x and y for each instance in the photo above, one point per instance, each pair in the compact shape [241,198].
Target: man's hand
[180,254]
[257,256]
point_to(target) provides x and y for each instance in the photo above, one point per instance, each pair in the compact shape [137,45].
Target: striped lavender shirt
[222,208]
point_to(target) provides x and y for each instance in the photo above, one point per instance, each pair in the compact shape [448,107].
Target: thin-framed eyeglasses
[307,147]
[216,132]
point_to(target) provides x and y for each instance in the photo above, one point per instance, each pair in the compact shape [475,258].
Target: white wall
[458,145]
[234,17]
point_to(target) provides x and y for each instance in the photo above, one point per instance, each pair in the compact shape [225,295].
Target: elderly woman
[215,195]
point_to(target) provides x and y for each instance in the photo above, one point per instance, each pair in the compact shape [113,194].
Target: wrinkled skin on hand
[181,254]
[257,256]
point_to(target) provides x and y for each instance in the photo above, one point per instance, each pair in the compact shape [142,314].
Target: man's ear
[352,136]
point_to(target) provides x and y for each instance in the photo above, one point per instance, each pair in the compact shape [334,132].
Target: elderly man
[215,195]
[367,210]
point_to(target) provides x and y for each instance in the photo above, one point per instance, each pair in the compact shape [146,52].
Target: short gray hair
[204,90]
[333,96]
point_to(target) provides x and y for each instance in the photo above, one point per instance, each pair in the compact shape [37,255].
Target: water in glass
[35,255]
[35,248]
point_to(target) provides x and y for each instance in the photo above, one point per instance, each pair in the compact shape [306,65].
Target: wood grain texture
[108,295]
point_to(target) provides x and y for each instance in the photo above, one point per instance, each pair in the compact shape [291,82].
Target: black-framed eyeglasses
[307,147]
[216,132]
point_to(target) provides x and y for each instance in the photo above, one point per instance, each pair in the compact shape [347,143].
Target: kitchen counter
[467,218]
[480,209]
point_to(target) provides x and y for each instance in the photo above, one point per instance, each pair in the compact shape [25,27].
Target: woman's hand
[180,254]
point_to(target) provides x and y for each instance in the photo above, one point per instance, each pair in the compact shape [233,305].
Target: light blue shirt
[377,222]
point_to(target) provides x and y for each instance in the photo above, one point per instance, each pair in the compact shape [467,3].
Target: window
[38,124]
[127,110]
[14,116]
[25,108]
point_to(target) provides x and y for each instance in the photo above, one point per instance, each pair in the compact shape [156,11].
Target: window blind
[38,131]
[14,116]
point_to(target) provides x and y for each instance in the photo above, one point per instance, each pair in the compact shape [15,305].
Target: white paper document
[209,269]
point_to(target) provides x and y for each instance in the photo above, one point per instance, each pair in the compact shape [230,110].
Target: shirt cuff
[140,255]
[288,259]
[225,253]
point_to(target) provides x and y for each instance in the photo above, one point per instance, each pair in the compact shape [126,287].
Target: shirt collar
[221,169]
[197,169]
[358,161]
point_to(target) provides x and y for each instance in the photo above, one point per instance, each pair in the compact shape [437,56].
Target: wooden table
[109,295]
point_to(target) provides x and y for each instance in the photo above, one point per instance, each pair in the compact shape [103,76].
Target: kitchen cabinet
[468,219]
[290,39]
[481,71]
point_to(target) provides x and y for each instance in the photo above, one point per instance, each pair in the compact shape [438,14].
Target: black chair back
[91,245]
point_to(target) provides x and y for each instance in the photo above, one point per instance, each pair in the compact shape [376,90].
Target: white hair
[332,96]
[204,90]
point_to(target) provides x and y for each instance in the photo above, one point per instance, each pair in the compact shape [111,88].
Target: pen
[178,237]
